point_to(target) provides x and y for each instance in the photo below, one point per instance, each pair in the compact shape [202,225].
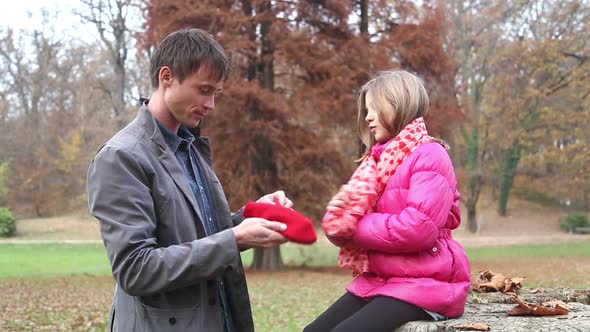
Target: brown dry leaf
[472,327]
[551,308]
[489,281]
[512,284]
[535,291]
[555,303]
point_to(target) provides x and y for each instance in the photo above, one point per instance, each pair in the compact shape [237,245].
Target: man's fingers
[275,226]
[259,232]
[288,203]
[281,198]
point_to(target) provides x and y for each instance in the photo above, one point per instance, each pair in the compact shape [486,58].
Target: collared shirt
[180,144]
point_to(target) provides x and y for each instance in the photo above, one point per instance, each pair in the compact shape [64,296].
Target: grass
[563,250]
[68,287]
[55,259]
[41,260]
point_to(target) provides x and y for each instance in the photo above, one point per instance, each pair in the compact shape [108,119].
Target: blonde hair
[398,97]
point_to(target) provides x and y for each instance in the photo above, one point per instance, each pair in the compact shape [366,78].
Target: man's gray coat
[166,270]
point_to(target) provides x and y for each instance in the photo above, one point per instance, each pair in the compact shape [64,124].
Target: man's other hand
[276,197]
[259,233]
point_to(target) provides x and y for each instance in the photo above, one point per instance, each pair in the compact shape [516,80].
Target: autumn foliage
[288,113]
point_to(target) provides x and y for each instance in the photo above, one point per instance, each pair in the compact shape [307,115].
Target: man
[173,245]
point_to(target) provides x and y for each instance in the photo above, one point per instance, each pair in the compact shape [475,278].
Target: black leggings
[352,313]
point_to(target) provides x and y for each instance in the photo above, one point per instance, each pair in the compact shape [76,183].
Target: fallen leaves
[550,308]
[472,327]
[73,303]
[489,281]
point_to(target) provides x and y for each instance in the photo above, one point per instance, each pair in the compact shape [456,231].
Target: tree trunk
[364,30]
[251,28]
[364,22]
[119,95]
[110,20]
[268,259]
[471,218]
[264,160]
[475,178]
[511,159]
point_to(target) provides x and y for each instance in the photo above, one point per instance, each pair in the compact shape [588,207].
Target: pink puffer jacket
[411,252]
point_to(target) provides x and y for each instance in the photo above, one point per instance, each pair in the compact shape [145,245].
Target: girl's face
[376,128]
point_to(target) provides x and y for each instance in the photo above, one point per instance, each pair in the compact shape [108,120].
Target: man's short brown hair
[185,52]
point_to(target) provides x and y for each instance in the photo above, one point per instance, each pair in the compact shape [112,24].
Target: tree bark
[364,30]
[264,160]
[268,259]
[474,178]
[511,159]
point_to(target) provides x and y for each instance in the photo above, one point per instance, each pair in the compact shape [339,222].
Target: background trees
[516,61]
[291,99]
[508,83]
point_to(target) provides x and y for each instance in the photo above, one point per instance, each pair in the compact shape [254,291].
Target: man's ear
[165,77]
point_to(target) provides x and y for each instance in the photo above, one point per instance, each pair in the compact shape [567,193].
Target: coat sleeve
[119,196]
[238,216]
[429,200]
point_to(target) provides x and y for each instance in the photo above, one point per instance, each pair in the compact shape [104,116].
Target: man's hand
[276,197]
[339,201]
[260,233]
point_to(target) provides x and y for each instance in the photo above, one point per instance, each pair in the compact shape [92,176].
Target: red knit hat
[299,228]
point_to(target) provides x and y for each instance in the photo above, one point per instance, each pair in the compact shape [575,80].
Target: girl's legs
[351,313]
[340,310]
[382,314]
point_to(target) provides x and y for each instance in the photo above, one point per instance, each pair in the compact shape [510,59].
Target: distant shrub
[7,223]
[571,221]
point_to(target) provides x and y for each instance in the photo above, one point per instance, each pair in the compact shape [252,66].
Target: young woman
[394,217]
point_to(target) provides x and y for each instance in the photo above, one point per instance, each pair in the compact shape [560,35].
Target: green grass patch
[55,259]
[302,255]
[67,287]
[40,260]
[564,250]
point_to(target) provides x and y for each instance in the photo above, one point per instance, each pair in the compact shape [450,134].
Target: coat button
[172,321]
[434,249]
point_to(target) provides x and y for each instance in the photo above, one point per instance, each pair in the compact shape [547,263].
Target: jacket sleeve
[429,200]
[119,196]
[238,216]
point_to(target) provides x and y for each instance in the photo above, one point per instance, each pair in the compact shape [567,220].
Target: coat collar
[146,120]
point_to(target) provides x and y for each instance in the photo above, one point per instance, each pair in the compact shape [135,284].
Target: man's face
[189,101]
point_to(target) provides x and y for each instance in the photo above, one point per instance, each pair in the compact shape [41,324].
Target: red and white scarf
[365,187]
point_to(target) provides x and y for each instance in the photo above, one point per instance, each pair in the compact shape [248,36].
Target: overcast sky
[17,18]
[26,14]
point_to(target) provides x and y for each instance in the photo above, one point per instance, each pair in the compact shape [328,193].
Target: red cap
[300,229]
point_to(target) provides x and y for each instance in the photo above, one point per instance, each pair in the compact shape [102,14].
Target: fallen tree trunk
[492,309]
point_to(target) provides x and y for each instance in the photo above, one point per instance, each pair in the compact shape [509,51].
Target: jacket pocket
[156,319]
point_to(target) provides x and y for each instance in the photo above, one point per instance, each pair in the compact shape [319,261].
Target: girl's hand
[337,241]
[339,201]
